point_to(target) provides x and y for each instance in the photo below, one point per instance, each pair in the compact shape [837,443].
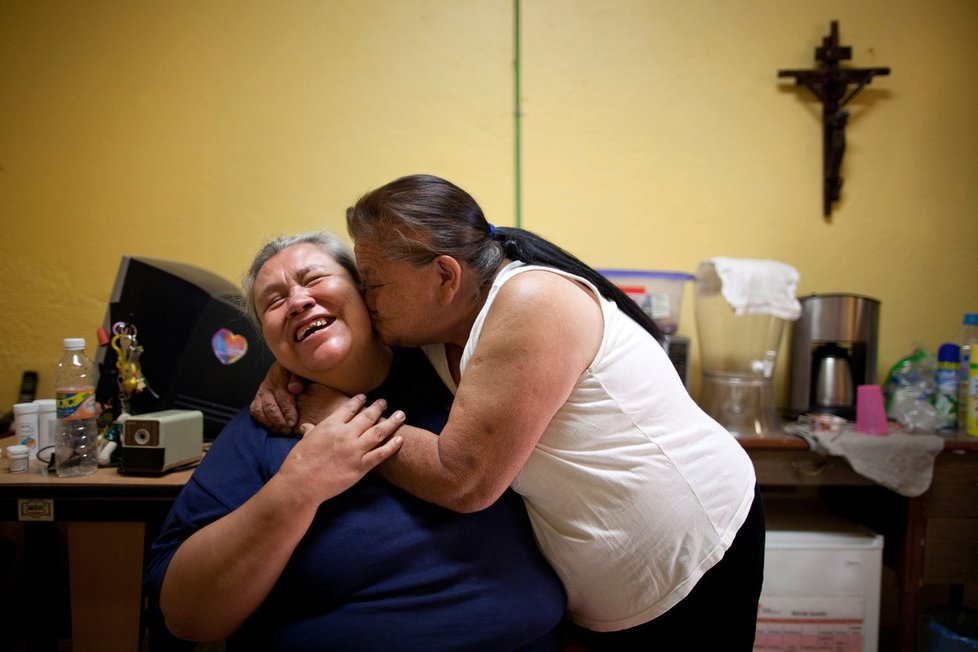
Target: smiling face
[312,316]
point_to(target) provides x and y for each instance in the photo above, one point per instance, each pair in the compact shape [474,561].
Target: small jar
[18,457]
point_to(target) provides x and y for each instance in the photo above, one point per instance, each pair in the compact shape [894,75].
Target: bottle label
[76,403]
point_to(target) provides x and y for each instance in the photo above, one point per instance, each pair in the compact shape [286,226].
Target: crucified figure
[830,84]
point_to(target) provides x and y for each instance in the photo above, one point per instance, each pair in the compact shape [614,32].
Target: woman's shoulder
[521,283]
[244,442]
[531,301]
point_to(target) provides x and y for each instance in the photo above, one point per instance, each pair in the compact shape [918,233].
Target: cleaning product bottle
[971,418]
[965,339]
[946,396]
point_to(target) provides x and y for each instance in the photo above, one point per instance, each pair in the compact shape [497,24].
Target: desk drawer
[954,492]
[798,467]
[951,553]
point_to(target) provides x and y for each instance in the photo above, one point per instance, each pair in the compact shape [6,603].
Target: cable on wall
[517,117]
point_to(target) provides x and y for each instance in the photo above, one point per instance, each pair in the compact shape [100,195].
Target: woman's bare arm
[542,333]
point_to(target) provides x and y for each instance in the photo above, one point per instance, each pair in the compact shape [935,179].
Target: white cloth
[633,491]
[753,286]
[899,461]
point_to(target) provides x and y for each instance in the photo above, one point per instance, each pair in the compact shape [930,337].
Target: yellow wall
[654,134]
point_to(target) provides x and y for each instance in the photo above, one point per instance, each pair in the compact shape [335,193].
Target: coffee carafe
[833,383]
[833,351]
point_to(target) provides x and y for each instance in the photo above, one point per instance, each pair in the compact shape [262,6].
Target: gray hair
[419,217]
[325,240]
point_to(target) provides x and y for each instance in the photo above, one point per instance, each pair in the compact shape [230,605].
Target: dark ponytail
[519,244]
[418,217]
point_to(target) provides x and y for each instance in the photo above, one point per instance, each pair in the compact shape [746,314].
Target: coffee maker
[833,351]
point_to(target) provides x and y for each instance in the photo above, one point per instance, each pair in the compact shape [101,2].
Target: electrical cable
[517,116]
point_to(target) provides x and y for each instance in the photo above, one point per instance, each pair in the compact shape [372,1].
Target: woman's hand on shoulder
[318,401]
[336,453]
[275,405]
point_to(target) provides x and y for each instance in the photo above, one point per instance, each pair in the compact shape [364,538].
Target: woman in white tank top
[644,505]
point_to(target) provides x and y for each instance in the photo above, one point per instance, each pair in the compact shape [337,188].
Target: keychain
[127,350]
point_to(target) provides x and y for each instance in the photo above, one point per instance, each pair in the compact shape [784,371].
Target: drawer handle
[813,470]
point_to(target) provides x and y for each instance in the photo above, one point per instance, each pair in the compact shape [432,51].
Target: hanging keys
[130,376]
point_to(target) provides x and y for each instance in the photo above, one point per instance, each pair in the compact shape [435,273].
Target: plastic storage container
[658,293]
[25,426]
[47,423]
[18,456]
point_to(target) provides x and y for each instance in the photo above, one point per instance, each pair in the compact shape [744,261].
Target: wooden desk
[932,538]
[105,518]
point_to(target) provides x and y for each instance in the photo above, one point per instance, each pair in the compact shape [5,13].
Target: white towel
[753,286]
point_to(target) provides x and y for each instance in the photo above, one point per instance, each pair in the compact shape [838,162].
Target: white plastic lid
[46,404]
[17,450]
[74,343]
[25,408]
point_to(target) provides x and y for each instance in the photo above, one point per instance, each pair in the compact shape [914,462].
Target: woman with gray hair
[281,542]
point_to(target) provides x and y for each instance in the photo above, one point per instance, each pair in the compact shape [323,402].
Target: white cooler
[821,586]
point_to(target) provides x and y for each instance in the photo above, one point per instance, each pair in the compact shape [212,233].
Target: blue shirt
[379,568]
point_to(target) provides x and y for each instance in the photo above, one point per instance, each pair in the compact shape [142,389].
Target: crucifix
[830,83]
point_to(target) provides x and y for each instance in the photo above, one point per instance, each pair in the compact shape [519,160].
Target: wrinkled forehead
[396,246]
[369,256]
[297,260]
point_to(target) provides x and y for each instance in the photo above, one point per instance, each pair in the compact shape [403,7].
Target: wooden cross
[830,83]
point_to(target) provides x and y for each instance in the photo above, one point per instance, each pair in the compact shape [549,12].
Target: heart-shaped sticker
[229,347]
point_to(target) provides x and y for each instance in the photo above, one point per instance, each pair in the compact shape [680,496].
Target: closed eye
[273,302]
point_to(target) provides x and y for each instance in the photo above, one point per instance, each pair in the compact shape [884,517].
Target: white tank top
[633,491]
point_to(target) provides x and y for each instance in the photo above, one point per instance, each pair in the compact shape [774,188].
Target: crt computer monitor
[200,352]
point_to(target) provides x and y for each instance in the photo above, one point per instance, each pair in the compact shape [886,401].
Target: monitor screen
[199,350]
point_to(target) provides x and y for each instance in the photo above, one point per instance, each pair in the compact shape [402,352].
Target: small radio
[157,442]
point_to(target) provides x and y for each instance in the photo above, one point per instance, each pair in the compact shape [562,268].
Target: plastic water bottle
[965,339]
[76,434]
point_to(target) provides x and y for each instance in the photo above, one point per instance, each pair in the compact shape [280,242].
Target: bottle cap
[971,318]
[46,404]
[75,343]
[949,352]
[17,450]
[25,408]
